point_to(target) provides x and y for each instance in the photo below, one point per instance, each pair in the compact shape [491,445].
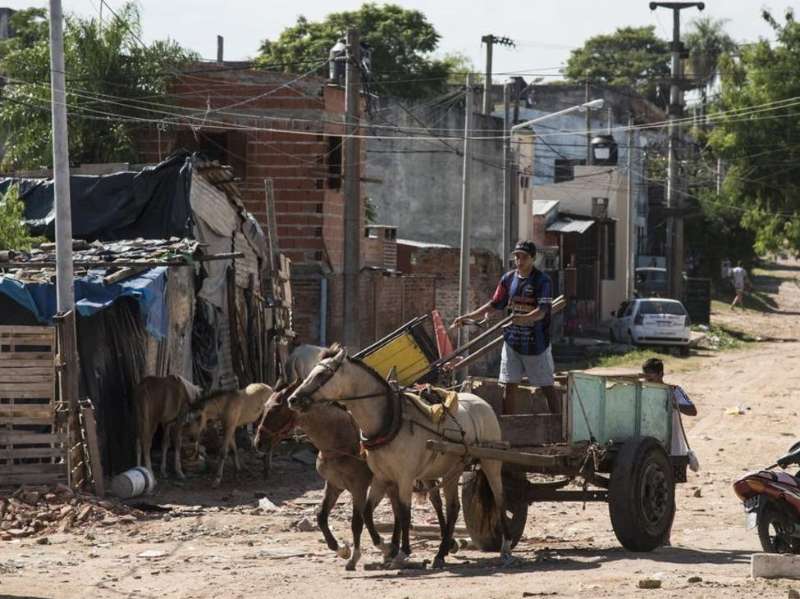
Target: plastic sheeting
[152,203]
[93,295]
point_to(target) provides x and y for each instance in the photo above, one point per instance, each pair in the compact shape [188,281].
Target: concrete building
[415,184]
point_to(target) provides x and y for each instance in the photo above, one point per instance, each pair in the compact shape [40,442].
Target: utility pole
[352,195]
[220,48]
[631,245]
[466,214]
[65,280]
[586,95]
[674,203]
[506,244]
[490,40]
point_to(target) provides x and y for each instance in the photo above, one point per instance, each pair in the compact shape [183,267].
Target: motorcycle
[772,504]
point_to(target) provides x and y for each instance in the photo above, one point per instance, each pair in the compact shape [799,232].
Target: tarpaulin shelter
[172,275]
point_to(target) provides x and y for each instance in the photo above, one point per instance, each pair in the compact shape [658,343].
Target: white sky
[545,30]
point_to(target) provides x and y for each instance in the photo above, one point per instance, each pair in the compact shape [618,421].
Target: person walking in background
[739,276]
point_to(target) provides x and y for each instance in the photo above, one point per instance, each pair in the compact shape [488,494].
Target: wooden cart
[610,443]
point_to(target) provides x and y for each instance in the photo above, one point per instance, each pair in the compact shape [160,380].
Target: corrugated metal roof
[542,207]
[421,244]
[570,226]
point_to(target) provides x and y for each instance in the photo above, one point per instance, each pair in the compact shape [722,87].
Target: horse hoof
[181,476]
[438,563]
[388,550]
[344,552]
[216,483]
[453,546]
[400,560]
[350,567]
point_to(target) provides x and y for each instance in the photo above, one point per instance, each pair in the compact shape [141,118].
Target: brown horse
[335,434]
[396,437]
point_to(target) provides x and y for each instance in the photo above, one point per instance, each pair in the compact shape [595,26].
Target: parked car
[651,321]
[651,281]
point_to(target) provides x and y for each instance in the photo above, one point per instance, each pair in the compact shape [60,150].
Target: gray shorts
[539,369]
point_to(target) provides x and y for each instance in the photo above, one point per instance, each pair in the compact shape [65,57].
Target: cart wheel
[477,502]
[641,495]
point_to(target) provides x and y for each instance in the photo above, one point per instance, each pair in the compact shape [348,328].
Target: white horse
[395,434]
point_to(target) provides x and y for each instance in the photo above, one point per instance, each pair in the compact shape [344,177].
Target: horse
[395,442]
[335,434]
[234,409]
[162,401]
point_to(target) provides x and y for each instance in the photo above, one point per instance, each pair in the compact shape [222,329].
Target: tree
[756,133]
[402,42]
[707,41]
[631,56]
[13,232]
[107,70]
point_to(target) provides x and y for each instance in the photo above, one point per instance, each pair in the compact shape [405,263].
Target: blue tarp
[93,295]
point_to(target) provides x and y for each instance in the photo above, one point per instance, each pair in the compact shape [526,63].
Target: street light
[508,232]
[591,105]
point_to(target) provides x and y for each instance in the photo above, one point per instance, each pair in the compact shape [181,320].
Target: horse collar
[394,420]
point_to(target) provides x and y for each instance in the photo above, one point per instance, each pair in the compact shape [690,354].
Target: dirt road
[217,544]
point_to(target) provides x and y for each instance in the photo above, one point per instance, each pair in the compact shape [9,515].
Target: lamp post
[591,105]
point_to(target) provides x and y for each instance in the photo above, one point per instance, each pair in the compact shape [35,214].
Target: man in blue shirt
[527,293]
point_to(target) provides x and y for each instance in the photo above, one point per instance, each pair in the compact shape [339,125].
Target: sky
[545,30]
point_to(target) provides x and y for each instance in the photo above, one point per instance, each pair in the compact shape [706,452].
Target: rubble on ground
[33,511]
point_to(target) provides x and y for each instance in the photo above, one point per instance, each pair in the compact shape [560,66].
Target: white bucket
[133,482]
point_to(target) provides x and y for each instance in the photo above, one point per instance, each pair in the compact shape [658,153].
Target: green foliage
[107,71]
[707,41]
[631,56]
[13,233]
[761,149]
[402,43]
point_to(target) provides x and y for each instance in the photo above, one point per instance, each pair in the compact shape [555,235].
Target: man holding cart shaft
[527,293]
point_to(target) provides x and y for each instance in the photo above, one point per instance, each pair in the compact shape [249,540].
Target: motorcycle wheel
[773,531]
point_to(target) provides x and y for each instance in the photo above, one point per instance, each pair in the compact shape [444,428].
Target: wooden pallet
[32,451]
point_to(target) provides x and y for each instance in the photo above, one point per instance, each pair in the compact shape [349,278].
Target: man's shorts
[539,368]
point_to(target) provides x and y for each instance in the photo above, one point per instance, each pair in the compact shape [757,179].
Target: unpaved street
[227,549]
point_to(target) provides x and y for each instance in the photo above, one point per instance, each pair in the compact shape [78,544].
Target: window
[334,162]
[565,169]
[661,307]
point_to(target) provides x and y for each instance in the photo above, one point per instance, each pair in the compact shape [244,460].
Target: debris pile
[31,511]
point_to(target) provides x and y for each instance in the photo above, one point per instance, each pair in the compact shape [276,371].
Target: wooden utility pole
[631,237]
[352,196]
[586,94]
[674,203]
[466,213]
[490,40]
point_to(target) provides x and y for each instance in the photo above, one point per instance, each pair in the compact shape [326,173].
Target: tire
[772,522]
[684,351]
[641,495]
[477,503]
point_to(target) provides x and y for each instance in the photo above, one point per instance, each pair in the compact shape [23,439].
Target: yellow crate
[402,353]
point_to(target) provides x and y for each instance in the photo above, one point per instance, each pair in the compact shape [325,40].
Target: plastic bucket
[133,482]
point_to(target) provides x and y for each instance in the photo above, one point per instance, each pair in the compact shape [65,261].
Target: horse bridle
[304,398]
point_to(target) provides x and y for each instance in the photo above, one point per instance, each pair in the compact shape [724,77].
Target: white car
[651,321]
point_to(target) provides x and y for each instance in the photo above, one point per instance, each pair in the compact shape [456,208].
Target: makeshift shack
[172,275]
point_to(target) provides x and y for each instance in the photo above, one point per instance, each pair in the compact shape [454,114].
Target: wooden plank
[531,429]
[13,469]
[32,452]
[24,420]
[13,480]
[26,411]
[20,340]
[25,330]
[40,387]
[505,455]
[90,428]
[26,358]
[27,438]
[10,372]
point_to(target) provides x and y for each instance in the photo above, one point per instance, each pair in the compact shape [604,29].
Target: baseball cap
[525,246]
